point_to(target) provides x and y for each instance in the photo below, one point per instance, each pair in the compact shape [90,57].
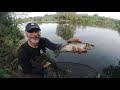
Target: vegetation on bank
[10,35]
[73,17]
[112,71]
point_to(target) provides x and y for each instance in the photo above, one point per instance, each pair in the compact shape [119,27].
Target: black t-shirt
[26,53]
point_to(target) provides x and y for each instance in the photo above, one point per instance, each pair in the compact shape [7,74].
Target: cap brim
[34,27]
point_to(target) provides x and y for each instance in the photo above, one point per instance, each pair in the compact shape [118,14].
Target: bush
[10,35]
[6,73]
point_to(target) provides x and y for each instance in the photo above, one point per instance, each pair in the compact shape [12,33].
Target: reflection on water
[106,41]
[66,31]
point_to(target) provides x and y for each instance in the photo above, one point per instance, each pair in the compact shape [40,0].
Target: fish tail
[58,51]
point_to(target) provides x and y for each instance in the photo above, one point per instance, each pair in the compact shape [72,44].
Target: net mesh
[76,70]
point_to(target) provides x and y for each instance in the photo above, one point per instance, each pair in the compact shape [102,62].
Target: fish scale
[69,47]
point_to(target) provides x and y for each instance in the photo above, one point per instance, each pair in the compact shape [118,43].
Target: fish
[67,47]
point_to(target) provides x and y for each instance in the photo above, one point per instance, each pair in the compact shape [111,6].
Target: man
[34,48]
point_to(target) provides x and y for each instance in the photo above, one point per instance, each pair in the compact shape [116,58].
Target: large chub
[68,47]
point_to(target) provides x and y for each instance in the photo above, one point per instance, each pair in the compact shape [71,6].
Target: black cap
[31,26]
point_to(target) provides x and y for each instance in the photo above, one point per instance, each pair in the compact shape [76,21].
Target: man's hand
[76,50]
[74,40]
[46,65]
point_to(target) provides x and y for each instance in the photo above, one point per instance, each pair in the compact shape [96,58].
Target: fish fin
[57,52]
[64,44]
[57,55]
[93,45]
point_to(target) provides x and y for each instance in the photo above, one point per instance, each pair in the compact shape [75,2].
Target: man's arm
[51,45]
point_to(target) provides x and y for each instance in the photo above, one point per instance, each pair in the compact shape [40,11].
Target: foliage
[9,33]
[112,71]
[6,73]
[58,71]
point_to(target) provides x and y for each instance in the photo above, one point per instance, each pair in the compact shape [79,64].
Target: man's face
[33,36]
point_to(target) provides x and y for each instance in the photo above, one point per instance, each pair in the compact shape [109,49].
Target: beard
[34,40]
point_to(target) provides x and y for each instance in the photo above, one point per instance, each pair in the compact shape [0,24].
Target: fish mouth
[89,47]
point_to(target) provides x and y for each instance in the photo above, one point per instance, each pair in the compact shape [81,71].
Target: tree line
[73,17]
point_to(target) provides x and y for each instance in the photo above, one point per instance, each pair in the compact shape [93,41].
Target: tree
[95,15]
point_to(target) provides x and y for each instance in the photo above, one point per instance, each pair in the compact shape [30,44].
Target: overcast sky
[115,15]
